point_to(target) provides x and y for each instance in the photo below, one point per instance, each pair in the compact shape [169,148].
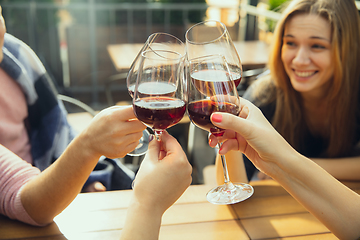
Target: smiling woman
[306,55]
[311,95]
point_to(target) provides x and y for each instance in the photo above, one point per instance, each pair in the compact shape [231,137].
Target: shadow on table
[12,229]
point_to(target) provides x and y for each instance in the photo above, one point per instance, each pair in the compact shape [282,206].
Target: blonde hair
[343,95]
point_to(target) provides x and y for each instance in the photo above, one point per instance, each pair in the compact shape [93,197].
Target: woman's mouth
[304,74]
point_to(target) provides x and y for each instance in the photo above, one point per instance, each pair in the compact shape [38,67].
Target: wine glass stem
[225,170]
[158,134]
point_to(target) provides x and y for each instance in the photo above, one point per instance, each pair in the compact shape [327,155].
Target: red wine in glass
[159,113]
[200,112]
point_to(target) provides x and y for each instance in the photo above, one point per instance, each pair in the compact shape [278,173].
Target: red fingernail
[216,117]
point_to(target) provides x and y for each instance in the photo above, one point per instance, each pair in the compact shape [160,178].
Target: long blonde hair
[343,95]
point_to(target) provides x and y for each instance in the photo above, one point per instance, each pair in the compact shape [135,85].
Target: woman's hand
[252,134]
[113,132]
[164,174]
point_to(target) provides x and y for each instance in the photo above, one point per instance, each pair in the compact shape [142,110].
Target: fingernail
[151,137]
[216,117]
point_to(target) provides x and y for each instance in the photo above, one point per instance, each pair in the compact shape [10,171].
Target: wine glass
[202,40]
[159,96]
[156,41]
[211,37]
[211,88]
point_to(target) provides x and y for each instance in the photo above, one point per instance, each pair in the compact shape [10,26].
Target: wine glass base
[142,147]
[230,193]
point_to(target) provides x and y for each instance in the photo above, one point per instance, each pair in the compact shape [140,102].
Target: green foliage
[275,5]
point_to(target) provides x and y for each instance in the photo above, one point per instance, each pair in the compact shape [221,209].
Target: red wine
[159,112]
[213,82]
[200,112]
[147,89]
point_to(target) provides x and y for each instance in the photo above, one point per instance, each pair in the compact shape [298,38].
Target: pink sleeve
[14,173]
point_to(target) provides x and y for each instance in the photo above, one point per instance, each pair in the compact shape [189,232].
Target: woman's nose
[302,56]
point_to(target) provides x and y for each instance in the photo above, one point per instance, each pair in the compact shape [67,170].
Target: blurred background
[71,36]
[73,39]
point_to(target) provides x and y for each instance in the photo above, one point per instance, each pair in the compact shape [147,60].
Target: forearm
[53,190]
[235,166]
[331,202]
[341,168]
[141,223]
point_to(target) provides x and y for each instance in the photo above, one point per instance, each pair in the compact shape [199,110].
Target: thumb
[169,143]
[153,149]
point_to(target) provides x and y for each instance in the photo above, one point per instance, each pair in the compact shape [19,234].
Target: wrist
[139,214]
[146,208]
[287,166]
[84,141]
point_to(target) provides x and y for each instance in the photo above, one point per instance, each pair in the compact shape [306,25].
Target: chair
[78,103]
[108,82]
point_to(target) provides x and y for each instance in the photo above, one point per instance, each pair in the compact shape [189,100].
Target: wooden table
[271,213]
[253,54]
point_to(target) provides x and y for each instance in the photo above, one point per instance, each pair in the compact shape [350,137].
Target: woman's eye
[318,46]
[289,43]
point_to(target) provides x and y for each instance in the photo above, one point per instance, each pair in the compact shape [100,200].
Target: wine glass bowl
[155,42]
[212,38]
[211,89]
[158,97]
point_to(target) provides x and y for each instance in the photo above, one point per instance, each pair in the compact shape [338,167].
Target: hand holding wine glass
[211,88]
[158,97]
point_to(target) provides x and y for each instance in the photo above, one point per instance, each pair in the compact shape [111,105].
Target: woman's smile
[304,74]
